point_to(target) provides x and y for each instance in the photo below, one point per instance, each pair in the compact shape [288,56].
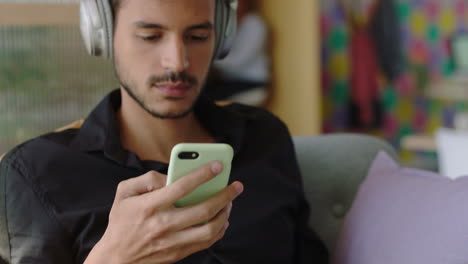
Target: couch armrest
[332,167]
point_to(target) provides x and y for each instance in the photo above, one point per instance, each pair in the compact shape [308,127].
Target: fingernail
[239,187]
[216,167]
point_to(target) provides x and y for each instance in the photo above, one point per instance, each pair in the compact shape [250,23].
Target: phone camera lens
[188,155]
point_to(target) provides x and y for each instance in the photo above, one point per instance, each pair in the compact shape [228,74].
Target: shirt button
[338,210]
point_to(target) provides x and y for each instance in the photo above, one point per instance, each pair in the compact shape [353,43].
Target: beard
[130,87]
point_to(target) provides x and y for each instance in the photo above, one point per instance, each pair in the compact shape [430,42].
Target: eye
[150,37]
[148,34]
[198,37]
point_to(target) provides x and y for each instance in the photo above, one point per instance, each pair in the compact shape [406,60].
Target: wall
[295,50]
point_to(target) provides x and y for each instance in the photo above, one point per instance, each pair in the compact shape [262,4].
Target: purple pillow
[405,216]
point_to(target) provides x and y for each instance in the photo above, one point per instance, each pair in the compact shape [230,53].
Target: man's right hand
[145,227]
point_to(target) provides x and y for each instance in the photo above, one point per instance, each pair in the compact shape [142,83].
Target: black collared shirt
[58,189]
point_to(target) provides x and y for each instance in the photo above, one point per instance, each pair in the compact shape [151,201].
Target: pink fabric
[406,216]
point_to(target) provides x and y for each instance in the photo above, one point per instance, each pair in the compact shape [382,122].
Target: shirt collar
[100,131]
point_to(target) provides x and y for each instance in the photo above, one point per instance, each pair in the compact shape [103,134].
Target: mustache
[172,77]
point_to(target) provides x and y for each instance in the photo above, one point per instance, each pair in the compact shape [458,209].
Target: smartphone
[187,157]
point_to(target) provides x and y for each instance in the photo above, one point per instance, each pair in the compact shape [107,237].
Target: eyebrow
[146,25]
[206,25]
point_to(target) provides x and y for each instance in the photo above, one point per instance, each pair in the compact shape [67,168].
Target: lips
[174,90]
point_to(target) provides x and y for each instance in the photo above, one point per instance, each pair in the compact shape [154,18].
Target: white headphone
[96,23]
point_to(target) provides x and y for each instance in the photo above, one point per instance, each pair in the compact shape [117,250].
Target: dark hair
[115,6]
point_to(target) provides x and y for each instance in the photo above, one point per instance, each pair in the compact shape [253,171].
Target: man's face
[163,50]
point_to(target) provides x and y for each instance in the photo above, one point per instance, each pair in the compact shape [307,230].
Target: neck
[152,138]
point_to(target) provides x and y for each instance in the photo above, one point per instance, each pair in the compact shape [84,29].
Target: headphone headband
[96,24]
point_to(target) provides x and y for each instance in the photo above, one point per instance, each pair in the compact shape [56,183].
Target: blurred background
[47,79]
[389,68]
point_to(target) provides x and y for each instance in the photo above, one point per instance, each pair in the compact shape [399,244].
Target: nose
[174,57]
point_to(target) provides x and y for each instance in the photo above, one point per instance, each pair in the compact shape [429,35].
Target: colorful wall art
[426,30]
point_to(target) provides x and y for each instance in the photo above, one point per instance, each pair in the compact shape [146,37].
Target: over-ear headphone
[96,23]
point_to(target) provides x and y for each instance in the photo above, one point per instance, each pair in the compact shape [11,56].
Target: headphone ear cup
[108,28]
[96,27]
[225,27]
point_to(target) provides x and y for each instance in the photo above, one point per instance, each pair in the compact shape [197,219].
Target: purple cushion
[405,216]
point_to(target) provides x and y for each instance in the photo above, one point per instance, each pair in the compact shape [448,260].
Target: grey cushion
[406,216]
[332,167]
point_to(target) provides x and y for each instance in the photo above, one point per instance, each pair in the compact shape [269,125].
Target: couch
[333,166]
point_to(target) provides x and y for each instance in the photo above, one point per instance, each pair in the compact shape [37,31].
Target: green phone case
[207,152]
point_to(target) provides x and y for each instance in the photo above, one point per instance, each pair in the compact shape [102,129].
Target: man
[97,194]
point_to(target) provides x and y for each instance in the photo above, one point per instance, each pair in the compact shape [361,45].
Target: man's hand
[145,227]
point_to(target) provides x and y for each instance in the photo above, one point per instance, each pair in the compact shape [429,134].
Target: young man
[97,194]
